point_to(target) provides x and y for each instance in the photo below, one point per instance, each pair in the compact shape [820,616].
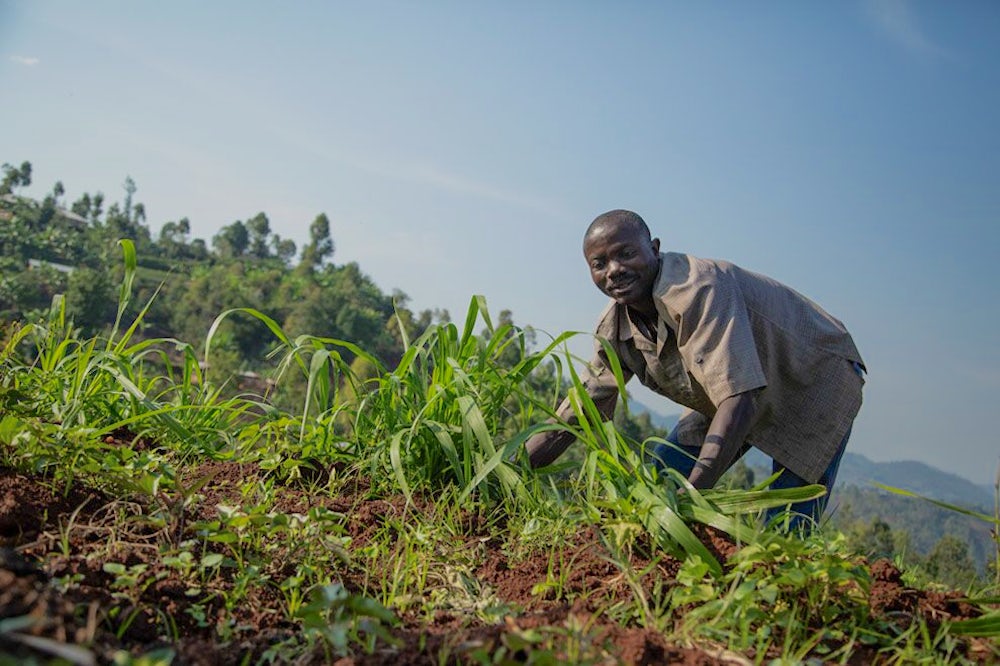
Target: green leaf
[662,521]
[395,458]
[943,505]
[984,626]
[212,560]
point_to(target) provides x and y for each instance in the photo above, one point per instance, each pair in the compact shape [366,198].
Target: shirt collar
[626,330]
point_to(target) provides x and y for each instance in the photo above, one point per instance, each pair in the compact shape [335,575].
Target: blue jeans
[801,515]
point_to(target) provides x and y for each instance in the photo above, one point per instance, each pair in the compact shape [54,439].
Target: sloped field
[350,513]
[96,576]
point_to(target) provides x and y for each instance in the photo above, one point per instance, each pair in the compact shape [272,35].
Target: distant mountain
[916,477]
[857,470]
[665,421]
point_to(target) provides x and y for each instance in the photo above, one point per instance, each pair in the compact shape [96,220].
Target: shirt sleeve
[714,334]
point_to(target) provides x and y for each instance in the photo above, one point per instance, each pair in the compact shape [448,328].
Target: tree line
[932,542]
[51,246]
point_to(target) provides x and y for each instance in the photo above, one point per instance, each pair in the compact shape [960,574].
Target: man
[752,360]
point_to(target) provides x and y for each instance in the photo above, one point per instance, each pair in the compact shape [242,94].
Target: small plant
[342,619]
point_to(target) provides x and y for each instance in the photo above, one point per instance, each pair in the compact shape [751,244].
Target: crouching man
[753,362]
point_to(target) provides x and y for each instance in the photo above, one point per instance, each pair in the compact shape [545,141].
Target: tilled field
[55,575]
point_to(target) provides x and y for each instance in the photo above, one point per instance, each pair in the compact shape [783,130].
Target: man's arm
[602,388]
[726,434]
[545,447]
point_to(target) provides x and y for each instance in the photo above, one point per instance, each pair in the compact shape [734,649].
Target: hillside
[364,500]
[157,522]
[917,477]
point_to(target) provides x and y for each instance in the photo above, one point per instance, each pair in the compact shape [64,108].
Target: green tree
[343,303]
[17,232]
[284,249]
[232,241]
[949,562]
[28,293]
[89,207]
[172,242]
[199,250]
[90,299]
[917,525]
[15,177]
[127,221]
[636,425]
[46,213]
[875,540]
[259,228]
[130,189]
[320,247]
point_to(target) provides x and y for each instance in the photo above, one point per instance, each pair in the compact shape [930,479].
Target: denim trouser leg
[674,455]
[801,514]
[804,515]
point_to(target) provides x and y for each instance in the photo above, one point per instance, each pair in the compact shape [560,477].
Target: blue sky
[850,149]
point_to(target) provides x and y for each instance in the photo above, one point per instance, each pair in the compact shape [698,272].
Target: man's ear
[656,245]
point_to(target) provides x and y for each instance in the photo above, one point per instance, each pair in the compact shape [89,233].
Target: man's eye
[597,265]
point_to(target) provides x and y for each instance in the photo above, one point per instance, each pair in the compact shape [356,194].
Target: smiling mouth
[621,286]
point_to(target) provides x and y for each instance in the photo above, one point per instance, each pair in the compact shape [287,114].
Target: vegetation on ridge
[378,511]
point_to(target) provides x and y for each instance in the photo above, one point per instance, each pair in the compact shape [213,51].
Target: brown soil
[55,542]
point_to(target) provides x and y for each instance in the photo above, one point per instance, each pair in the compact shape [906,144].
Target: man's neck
[645,309]
[645,321]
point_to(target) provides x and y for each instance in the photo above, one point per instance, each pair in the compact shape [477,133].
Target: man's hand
[544,447]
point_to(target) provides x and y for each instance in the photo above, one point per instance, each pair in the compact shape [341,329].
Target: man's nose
[614,268]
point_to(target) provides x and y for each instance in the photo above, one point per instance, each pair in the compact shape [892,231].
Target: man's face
[623,262]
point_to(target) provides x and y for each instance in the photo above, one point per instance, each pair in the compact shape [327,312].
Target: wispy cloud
[27,61]
[897,20]
[413,171]
[439,178]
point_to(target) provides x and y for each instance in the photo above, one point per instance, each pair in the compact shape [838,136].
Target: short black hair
[619,217]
